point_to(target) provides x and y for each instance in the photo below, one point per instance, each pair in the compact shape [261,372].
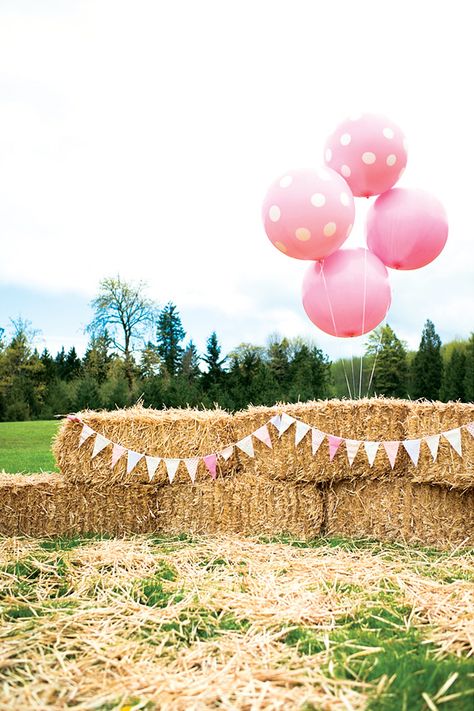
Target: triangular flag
[117,452]
[470,428]
[285,422]
[301,431]
[317,438]
[454,439]
[192,465]
[371,449]
[132,460]
[86,432]
[391,449]
[210,461]
[263,435]
[227,452]
[334,443]
[172,467]
[99,444]
[433,443]
[152,464]
[275,420]
[352,447]
[246,445]
[412,446]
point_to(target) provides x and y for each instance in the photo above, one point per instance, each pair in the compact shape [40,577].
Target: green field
[26,446]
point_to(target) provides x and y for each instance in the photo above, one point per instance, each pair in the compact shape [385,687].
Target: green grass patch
[26,446]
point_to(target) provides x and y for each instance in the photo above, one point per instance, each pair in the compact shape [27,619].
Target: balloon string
[375,361]
[352,367]
[363,320]
[334,326]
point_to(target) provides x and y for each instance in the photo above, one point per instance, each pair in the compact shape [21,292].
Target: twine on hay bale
[365,419]
[449,469]
[170,433]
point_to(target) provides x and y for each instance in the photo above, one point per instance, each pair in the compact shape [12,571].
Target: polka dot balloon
[369,151]
[308,214]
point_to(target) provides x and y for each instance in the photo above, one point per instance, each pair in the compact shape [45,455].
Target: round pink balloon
[308,213]
[369,152]
[406,228]
[348,293]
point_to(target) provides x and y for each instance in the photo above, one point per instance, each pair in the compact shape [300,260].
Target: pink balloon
[369,152]
[348,293]
[308,213]
[406,228]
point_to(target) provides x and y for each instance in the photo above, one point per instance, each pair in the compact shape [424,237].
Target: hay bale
[400,510]
[427,418]
[365,419]
[158,433]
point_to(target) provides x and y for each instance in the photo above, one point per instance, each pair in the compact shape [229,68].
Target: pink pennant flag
[275,420]
[470,428]
[285,422]
[117,453]
[85,434]
[263,435]
[172,467]
[412,446]
[192,466]
[352,447]
[227,452]
[301,431]
[371,449]
[74,418]
[433,443]
[99,444]
[132,460]
[334,443]
[391,449]
[210,461]
[454,439]
[152,464]
[246,445]
[317,438]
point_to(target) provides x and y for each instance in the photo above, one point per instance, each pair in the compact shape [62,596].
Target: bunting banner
[282,422]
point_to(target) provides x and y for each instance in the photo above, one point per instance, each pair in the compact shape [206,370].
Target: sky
[139,138]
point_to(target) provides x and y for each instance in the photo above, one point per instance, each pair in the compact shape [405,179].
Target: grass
[26,446]
[151,622]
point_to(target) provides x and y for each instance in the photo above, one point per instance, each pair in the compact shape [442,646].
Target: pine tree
[454,375]
[72,365]
[169,334]
[189,368]
[212,358]
[469,377]
[390,375]
[427,368]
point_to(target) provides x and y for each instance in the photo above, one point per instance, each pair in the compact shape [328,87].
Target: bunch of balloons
[308,214]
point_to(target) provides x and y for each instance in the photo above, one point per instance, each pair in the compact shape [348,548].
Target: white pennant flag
[454,439]
[263,435]
[301,431]
[317,438]
[152,464]
[192,465]
[285,422]
[433,443]
[371,449]
[352,447]
[246,445]
[227,452]
[172,467]
[470,428]
[275,420]
[412,446]
[86,432]
[132,460]
[99,444]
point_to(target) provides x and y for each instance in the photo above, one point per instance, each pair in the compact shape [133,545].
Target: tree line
[139,352]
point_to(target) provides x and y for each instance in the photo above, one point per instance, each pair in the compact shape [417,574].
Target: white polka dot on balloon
[369,158]
[345,199]
[281,246]
[286,181]
[388,133]
[345,139]
[318,200]
[328,154]
[274,213]
[329,229]
[391,159]
[346,171]
[303,234]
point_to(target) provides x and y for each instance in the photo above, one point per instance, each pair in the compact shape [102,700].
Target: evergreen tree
[427,369]
[454,374]
[390,375]
[469,377]
[278,358]
[97,358]
[22,382]
[49,367]
[189,368]
[212,358]
[309,372]
[72,365]
[169,334]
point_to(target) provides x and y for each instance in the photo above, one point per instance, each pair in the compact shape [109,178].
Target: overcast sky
[139,138]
